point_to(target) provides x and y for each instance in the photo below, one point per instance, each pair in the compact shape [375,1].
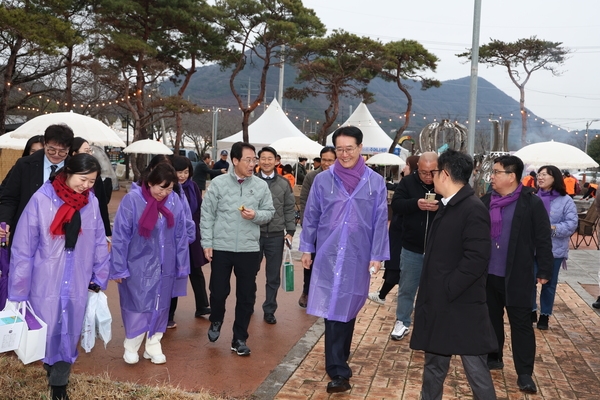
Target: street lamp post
[587,125]
[215,128]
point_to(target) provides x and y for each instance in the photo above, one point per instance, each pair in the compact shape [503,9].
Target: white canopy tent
[290,148]
[563,155]
[272,125]
[9,142]
[375,140]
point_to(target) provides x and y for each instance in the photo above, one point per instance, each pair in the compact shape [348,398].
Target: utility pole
[474,76]
[587,125]
[215,128]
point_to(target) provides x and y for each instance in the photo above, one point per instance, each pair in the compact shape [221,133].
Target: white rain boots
[154,350]
[131,349]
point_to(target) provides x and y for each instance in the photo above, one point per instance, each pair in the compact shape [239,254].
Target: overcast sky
[445,28]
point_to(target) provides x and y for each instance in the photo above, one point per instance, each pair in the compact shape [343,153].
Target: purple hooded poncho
[349,230]
[149,267]
[55,280]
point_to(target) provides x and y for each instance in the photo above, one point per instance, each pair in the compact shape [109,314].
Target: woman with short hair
[150,251]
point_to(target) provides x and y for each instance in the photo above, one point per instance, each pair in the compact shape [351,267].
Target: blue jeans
[411,265]
[548,289]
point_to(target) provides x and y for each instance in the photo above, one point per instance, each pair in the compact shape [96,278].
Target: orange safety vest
[528,181]
[570,185]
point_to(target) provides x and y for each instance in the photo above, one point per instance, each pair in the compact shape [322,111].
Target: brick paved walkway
[566,366]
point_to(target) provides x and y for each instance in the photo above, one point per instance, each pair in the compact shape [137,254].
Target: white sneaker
[374,297]
[155,359]
[399,331]
[130,357]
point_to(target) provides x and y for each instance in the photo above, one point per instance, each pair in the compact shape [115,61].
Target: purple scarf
[350,176]
[150,214]
[190,193]
[497,204]
[547,197]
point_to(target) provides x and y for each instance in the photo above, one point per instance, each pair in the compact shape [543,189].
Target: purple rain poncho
[148,266]
[349,232]
[54,280]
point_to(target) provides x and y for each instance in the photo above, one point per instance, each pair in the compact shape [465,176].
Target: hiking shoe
[543,322]
[239,346]
[374,297]
[399,331]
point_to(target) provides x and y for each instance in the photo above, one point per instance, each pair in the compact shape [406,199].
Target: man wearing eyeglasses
[236,204]
[345,225]
[417,213]
[29,173]
[521,235]
[452,286]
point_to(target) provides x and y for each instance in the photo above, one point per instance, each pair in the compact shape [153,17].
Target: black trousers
[272,249]
[476,370]
[521,328]
[198,286]
[338,338]
[58,373]
[307,275]
[245,267]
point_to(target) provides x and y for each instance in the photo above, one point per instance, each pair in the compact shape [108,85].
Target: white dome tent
[272,125]
[375,140]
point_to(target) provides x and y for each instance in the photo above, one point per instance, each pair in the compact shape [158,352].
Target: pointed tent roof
[272,125]
[375,140]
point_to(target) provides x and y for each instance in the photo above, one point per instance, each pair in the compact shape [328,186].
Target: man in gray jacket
[272,234]
[234,207]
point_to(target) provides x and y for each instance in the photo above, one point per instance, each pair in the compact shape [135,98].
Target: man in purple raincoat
[346,216]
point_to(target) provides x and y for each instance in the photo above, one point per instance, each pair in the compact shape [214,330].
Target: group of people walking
[469,259]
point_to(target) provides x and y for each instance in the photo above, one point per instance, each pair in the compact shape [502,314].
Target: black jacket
[415,222]
[530,239]
[200,174]
[451,316]
[26,177]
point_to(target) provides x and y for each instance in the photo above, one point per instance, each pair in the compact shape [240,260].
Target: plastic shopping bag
[287,276]
[88,329]
[32,346]
[103,319]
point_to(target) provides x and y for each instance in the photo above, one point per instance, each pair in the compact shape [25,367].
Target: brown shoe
[303,300]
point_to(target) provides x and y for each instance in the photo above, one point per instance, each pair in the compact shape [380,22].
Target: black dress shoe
[214,331]
[202,311]
[239,346]
[526,384]
[270,318]
[543,323]
[596,304]
[494,364]
[533,317]
[338,384]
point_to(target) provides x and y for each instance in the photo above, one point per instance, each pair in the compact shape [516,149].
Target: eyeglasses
[250,160]
[543,175]
[498,171]
[347,150]
[52,151]
[435,170]
[426,174]
[327,161]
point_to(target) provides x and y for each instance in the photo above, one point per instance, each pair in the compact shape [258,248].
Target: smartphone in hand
[430,196]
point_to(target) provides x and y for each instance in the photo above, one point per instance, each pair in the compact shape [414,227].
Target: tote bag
[11,327]
[33,338]
[287,276]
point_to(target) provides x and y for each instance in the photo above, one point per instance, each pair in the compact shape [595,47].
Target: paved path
[566,362]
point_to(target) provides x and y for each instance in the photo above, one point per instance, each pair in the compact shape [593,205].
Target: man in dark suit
[202,170]
[452,293]
[521,235]
[29,173]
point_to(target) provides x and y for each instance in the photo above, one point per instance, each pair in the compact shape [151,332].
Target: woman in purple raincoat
[57,252]
[192,195]
[346,216]
[149,252]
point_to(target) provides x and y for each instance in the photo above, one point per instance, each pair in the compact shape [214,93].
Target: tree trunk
[245,123]
[69,80]
[401,130]
[523,116]
[8,77]
[179,132]
[331,114]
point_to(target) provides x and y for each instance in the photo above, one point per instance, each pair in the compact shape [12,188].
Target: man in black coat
[202,170]
[521,235]
[29,173]
[450,313]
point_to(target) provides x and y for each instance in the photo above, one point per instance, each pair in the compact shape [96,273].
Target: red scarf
[150,213]
[73,202]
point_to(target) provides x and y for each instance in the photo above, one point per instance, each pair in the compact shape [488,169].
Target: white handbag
[11,327]
[33,338]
